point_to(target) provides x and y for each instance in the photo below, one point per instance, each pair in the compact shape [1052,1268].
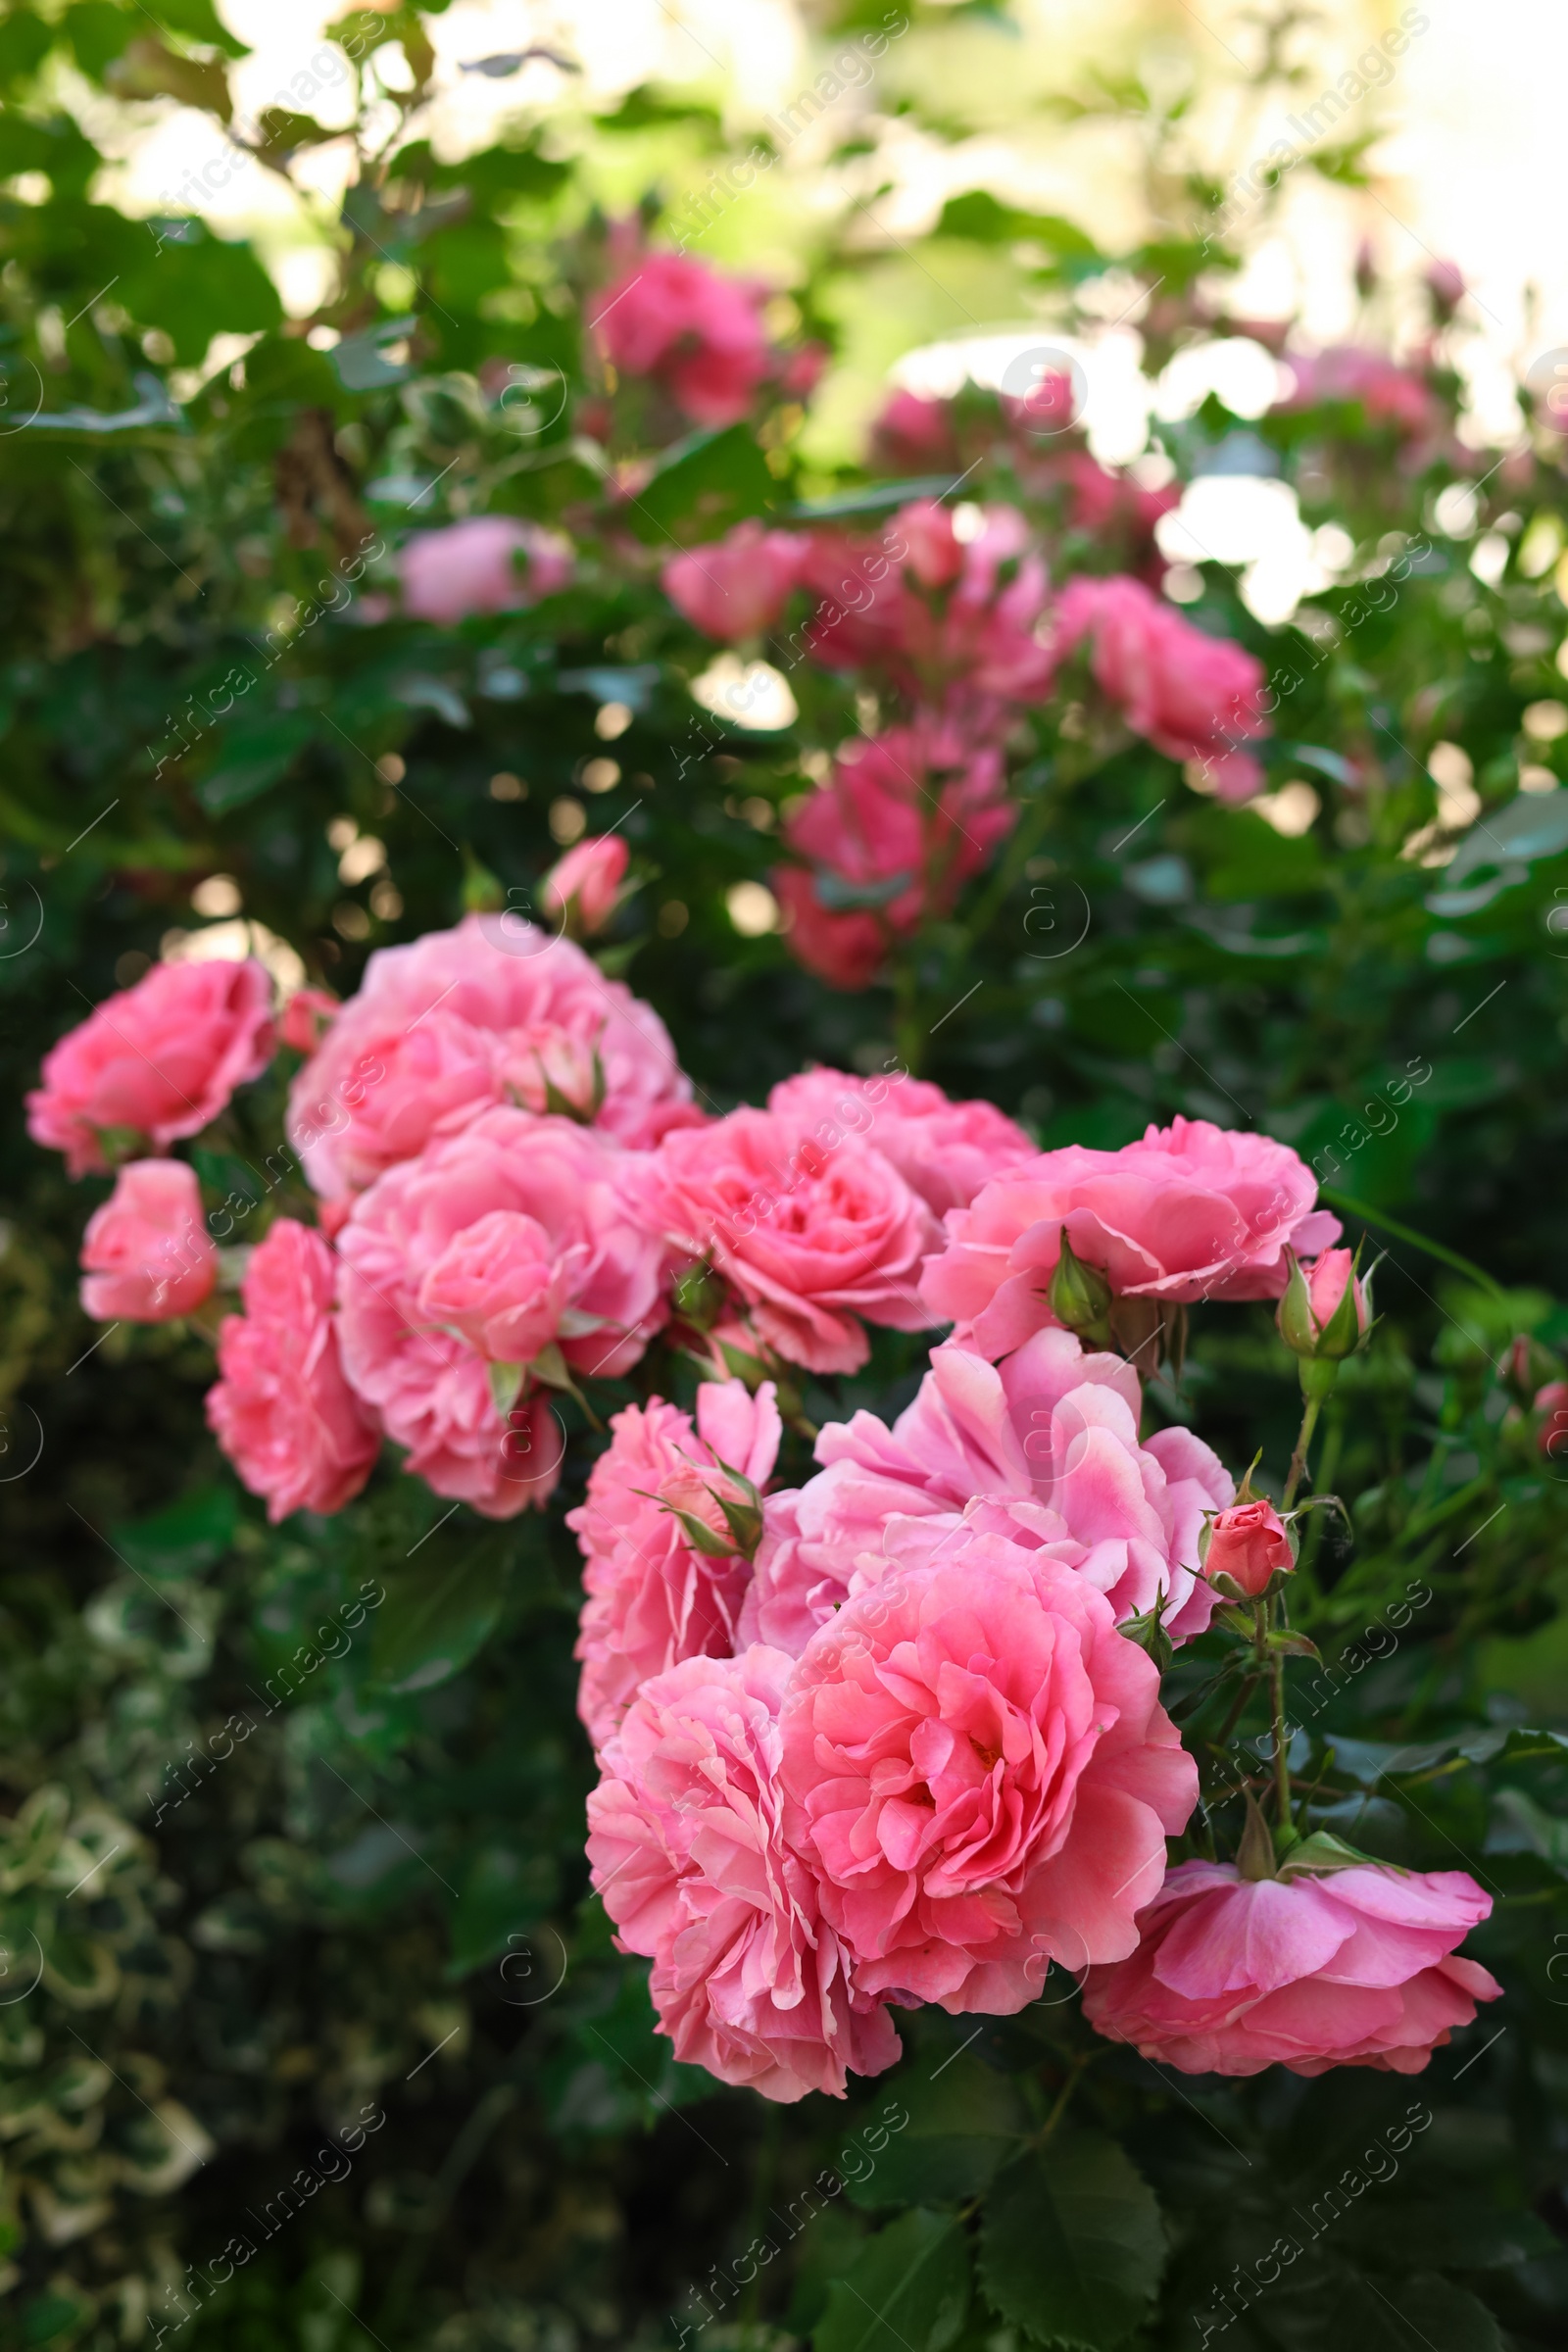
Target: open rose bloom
[1348,1968]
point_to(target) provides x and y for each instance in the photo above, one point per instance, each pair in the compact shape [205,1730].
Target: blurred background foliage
[295,1944]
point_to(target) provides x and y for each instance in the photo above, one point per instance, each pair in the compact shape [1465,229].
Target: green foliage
[294,1815]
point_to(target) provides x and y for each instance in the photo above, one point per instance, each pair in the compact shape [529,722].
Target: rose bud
[1551,1404]
[1527,1369]
[1324,1315]
[584,885]
[1079,1297]
[1249,1544]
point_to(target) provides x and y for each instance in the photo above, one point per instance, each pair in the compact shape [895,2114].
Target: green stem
[1314,1405]
[1408,1233]
[1282,1768]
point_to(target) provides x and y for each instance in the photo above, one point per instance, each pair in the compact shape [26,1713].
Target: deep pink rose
[980,1774]
[694,332]
[847,950]
[687,1851]
[1551,1404]
[283,1411]
[583,886]
[944,617]
[158,1061]
[1191,1212]
[515,1234]
[811,1239]
[1249,1544]
[493,1012]
[736,586]
[1193,696]
[1043,1448]
[490,564]
[1389,393]
[914,435]
[904,821]
[654,1595]
[146,1254]
[1309,1971]
[944,1150]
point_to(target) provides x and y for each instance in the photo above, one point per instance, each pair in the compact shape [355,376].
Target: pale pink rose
[1191,1212]
[1249,1544]
[146,1254]
[944,1150]
[1043,1448]
[736,586]
[980,1774]
[546,1213]
[282,1410]
[654,1595]
[1388,393]
[307,1018]
[154,1062]
[904,821]
[696,333]
[583,886]
[1195,697]
[490,564]
[687,1851]
[493,1012]
[1309,1971]
[812,1240]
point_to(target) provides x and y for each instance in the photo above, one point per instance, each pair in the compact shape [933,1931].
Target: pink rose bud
[146,1254]
[1326,1312]
[584,885]
[306,1018]
[1249,1544]
[1551,1404]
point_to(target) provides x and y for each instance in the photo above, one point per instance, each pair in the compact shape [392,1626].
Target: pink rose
[654,1595]
[736,586]
[490,564]
[687,1851]
[1346,1967]
[1043,1449]
[980,1774]
[584,884]
[943,616]
[156,1062]
[811,1239]
[696,333]
[146,1254]
[1388,393]
[307,1018]
[905,820]
[1191,1212]
[1249,1544]
[493,1012]
[515,1234]
[282,1410]
[847,950]
[1195,697]
[912,435]
[944,1150]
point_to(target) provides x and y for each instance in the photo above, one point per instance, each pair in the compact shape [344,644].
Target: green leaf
[1424,2313]
[704,485]
[440,1610]
[505,1892]
[1072,2244]
[252,759]
[964,2124]
[191,1535]
[907,2292]
[197,286]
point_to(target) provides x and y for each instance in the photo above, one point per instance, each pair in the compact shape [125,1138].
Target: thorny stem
[1274,1667]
